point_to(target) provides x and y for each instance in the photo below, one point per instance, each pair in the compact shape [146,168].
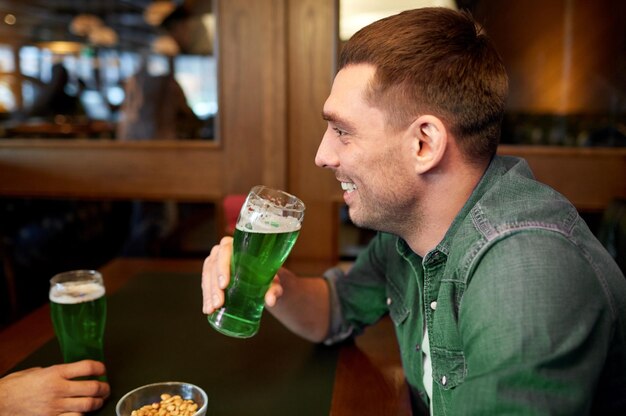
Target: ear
[430,140]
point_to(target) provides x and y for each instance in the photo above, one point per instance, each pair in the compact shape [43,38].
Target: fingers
[216,295]
[82,368]
[84,388]
[88,389]
[80,405]
[207,267]
[216,275]
[274,292]
[223,262]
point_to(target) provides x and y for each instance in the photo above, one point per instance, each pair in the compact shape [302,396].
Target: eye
[339,132]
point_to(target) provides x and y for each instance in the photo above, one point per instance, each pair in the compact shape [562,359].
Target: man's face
[373,163]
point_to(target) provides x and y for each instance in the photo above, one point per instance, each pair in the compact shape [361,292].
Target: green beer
[265,233]
[78,310]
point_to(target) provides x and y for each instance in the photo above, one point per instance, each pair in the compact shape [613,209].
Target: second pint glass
[267,228]
[78,309]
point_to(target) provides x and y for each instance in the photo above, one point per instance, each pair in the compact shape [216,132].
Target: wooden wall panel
[251,36]
[312,40]
[108,170]
[589,177]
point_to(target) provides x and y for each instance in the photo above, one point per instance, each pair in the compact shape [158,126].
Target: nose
[326,157]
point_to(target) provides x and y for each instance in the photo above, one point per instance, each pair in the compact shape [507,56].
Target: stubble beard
[394,215]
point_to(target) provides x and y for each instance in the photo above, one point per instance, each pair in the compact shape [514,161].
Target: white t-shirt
[428,371]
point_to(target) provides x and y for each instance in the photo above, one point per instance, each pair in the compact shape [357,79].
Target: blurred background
[79,69]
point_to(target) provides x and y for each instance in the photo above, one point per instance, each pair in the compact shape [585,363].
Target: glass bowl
[151,393]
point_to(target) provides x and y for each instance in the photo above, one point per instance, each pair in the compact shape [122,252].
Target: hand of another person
[216,276]
[51,390]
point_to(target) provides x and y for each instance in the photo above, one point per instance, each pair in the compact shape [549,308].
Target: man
[52,390]
[503,301]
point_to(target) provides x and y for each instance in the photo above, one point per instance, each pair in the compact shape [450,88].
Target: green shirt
[525,310]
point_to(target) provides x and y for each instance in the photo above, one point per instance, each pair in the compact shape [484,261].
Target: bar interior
[131,129]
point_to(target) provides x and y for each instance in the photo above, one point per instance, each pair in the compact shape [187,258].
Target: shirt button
[417,347]
[433,305]
[444,380]
[388,301]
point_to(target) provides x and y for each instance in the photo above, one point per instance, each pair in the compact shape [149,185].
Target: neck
[445,193]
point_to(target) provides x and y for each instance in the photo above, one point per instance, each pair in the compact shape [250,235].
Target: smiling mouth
[348,186]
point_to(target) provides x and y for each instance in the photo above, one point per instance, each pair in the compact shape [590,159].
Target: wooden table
[368,376]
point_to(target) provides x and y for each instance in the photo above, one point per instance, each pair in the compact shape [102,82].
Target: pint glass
[266,230]
[78,309]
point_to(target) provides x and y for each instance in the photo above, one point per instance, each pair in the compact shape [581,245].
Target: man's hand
[52,390]
[216,276]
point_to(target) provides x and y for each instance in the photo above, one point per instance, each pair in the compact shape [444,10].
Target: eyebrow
[337,120]
[329,116]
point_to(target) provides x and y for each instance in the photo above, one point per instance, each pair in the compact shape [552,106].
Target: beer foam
[266,222]
[70,293]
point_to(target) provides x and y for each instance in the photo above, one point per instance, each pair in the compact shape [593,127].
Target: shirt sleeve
[339,329]
[358,298]
[536,327]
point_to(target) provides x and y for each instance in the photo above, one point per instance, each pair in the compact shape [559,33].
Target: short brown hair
[435,61]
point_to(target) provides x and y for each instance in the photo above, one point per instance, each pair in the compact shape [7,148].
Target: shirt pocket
[396,303]
[398,312]
[449,367]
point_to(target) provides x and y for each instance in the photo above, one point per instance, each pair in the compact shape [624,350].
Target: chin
[358,220]
[353,217]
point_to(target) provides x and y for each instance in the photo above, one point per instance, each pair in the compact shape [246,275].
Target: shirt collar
[498,167]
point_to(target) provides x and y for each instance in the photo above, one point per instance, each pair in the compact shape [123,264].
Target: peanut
[168,406]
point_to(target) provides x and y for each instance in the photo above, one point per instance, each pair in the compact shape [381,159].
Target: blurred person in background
[155,108]
[57,96]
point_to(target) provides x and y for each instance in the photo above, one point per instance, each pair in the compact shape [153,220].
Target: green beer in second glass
[267,228]
[78,310]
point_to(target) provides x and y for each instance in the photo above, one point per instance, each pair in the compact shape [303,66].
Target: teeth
[348,186]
